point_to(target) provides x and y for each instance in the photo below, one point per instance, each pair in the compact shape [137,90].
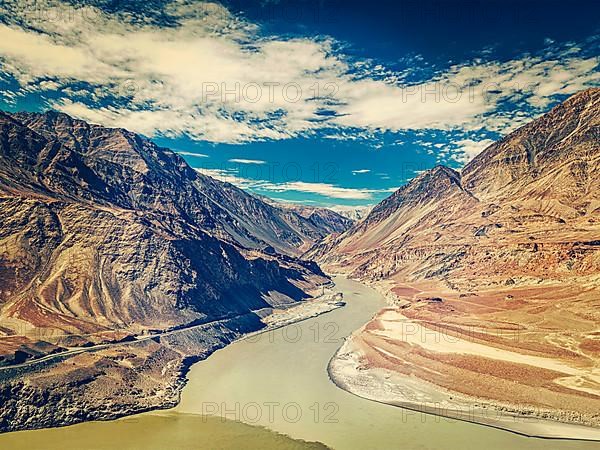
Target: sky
[331,103]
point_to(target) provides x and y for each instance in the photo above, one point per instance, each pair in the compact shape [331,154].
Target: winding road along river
[279,380]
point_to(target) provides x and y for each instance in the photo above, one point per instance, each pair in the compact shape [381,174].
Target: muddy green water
[166,431]
[278,380]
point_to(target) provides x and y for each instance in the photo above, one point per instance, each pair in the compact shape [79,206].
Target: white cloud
[247,161]
[229,176]
[468,96]
[198,78]
[184,153]
[32,56]
[215,77]
[359,171]
[324,189]
[469,149]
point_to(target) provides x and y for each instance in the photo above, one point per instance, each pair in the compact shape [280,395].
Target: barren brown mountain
[106,237]
[500,261]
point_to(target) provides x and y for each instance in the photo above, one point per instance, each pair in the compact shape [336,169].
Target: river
[279,380]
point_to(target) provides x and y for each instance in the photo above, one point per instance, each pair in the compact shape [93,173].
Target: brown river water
[278,381]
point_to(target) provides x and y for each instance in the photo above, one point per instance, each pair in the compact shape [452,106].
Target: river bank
[348,372]
[108,382]
[279,380]
[404,362]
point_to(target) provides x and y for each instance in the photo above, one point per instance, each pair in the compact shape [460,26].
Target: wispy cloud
[359,171]
[230,176]
[327,190]
[471,96]
[324,189]
[247,161]
[184,153]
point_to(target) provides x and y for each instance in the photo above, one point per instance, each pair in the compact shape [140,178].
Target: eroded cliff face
[102,229]
[526,207]
[106,238]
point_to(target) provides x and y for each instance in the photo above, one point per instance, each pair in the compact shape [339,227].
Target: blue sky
[320,102]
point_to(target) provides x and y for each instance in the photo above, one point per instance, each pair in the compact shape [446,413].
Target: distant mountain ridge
[323,219]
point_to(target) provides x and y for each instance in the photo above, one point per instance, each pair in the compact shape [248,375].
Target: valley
[281,224]
[124,267]
[278,380]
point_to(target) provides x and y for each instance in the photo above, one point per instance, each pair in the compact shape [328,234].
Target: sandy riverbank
[352,370]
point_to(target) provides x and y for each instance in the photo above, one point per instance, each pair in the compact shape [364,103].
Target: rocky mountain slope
[224,210]
[102,229]
[121,265]
[532,197]
[501,261]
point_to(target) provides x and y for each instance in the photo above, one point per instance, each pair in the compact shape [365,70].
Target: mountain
[121,266]
[498,266]
[551,160]
[319,222]
[537,188]
[226,211]
[102,229]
